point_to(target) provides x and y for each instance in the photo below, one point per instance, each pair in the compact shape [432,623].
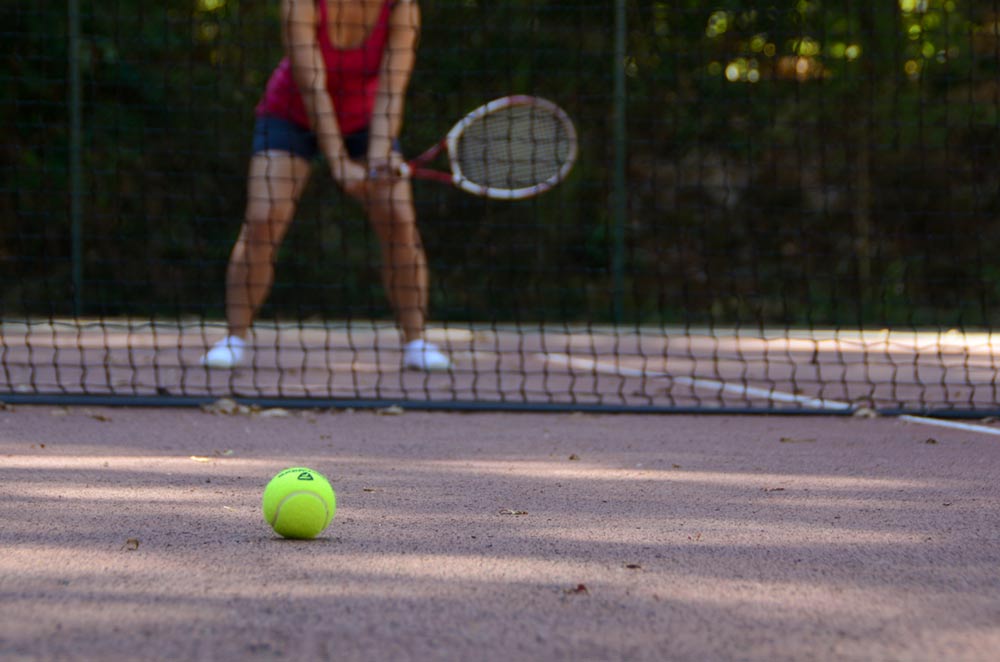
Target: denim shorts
[271,132]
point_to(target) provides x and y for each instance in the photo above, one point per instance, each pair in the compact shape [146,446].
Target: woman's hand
[351,176]
[385,169]
[359,180]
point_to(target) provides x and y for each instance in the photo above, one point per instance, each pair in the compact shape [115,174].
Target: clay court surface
[136,534]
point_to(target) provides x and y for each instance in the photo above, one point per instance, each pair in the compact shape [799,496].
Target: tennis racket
[511,148]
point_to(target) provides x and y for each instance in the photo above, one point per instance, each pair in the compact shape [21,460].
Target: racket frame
[449,144]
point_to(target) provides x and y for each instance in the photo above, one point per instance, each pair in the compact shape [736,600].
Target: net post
[618,200]
[75,152]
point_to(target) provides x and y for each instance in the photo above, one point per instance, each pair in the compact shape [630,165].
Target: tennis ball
[299,503]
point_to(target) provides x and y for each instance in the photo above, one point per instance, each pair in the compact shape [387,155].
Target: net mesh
[775,207]
[514,147]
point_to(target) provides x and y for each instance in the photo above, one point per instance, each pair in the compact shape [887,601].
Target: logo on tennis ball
[299,503]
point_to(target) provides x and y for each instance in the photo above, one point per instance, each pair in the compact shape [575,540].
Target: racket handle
[377,172]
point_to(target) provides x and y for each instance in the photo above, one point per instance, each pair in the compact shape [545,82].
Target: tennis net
[774,209]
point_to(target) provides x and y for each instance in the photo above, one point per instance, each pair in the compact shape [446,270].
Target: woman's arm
[299,32]
[397,66]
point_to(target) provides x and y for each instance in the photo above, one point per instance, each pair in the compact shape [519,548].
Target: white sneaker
[422,355]
[227,353]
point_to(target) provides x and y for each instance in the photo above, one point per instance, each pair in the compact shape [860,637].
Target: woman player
[339,92]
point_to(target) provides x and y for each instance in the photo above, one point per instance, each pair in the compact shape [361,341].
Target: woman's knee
[392,218]
[396,228]
[267,222]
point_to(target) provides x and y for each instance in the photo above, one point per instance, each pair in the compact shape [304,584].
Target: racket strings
[513,148]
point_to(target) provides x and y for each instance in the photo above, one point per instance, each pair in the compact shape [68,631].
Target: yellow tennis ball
[299,503]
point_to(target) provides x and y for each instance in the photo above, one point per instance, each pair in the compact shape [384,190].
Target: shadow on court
[137,534]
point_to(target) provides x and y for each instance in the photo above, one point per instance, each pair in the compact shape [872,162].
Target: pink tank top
[351,78]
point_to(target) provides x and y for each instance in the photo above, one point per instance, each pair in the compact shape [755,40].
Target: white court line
[954,425]
[740,389]
[769,394]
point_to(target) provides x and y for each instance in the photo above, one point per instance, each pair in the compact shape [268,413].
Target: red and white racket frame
[449,144]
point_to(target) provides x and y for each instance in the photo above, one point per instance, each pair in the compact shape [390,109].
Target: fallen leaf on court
[276,412]
[369,489]
[508,511]
[865,412]
[394,410]
[574,456]
[131,544]
[228,508]
[930,440]
[226,453]
[201,458]
[696,536]
[579,589]
[633,566]
[796,440]
[676,466]
[100,417]
[223,406]
[773,489]
[230,407]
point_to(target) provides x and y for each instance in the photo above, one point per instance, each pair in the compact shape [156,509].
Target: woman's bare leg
[404,264]
[274,185]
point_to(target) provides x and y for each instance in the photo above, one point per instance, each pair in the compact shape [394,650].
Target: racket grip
[378,172]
